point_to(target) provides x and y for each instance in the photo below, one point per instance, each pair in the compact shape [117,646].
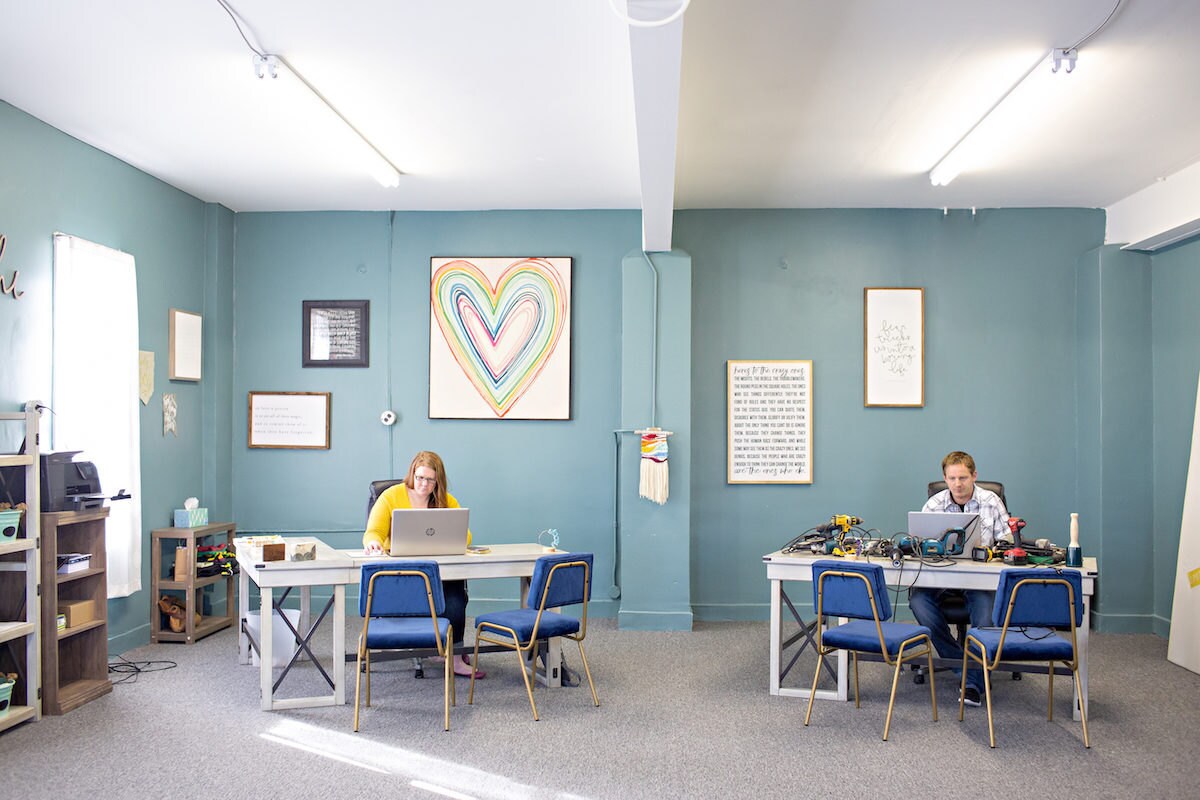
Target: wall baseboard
[655,620]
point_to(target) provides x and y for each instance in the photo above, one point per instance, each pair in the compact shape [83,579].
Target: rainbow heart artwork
[502,321]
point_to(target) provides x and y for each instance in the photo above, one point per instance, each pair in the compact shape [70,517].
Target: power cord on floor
[132,669]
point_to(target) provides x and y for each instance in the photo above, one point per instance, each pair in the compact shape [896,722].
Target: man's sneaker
[971,697]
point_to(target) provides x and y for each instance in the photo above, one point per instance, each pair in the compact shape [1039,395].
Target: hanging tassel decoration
[654,475]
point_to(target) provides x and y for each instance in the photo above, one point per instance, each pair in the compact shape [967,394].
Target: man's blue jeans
[926,606]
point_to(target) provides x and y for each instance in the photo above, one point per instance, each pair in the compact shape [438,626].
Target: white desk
[337,568]
[330,568]
[960,574]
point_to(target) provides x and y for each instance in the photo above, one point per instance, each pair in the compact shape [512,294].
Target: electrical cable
[1098,28]
[133,669]
[237,24]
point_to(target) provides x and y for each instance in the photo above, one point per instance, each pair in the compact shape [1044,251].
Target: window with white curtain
[95,387]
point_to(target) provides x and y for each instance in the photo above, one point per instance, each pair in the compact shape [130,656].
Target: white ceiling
[487,104]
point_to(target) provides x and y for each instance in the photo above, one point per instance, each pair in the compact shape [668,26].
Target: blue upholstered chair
[558,580]
[854,590]
[1031,605]
[401,605]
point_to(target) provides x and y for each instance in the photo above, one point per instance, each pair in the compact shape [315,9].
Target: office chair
[377,488]
[401,605]
[558,580]
[846,589]
[1031,604]
[954,601]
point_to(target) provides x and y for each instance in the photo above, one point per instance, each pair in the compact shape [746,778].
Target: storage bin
[282,641]
[6,689]
[10,523]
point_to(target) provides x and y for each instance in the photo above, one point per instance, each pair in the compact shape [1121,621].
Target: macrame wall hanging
[654,474]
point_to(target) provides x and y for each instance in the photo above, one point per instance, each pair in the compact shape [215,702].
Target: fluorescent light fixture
[1015,108]
[373,161]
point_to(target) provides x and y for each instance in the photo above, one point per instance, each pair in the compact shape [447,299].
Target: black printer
[67,485]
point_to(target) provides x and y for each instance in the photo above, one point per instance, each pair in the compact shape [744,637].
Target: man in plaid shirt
[958,468]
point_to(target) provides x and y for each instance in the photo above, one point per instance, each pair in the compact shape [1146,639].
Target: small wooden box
[274,552]
[77,612]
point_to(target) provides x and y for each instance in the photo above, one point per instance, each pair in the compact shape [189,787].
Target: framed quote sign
[769,422]
[894,347]
[289,420]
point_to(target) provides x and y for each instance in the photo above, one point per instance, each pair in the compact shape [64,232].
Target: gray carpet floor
[682,715]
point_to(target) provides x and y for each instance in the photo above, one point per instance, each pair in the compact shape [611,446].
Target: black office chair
[954,602]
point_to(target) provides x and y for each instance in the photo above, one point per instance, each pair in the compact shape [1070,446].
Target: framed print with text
[288,420]
[336,333]
[769,424]
[894,347]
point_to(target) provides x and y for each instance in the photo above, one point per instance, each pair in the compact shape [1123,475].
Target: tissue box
[191,517]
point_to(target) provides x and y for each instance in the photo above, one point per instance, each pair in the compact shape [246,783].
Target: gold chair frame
[443,648]
[901,658]
[981,659]
[528,653]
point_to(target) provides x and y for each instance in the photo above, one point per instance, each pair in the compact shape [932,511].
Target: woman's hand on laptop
[373,549]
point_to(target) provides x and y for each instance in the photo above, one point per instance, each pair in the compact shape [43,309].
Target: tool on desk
[1016,556]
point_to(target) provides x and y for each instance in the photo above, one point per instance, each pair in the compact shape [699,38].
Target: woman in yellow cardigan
[423,487]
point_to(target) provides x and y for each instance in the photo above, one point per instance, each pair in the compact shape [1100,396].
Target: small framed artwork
[336,333]
[289,420]
[184,329]
[894,347]
[500,338]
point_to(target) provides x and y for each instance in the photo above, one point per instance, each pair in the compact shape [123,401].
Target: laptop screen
[934,524]
[429,531]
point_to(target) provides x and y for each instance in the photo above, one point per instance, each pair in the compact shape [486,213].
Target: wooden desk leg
[339,644]
[776,633]
[243,612]
[1081,638]
[266,615]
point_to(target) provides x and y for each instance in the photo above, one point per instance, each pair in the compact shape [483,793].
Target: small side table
[164,564]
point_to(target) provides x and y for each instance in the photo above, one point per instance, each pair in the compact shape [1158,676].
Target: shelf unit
[20,606]
[74,660]
[164,564]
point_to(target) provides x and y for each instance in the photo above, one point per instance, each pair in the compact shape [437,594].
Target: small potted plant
[7,681]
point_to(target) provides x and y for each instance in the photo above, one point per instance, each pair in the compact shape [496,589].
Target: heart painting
[502,328]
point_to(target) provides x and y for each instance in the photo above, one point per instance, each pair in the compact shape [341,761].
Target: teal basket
[6,697]
[10,521]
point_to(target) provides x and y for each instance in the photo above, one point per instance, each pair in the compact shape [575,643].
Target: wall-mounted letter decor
[893,347]
[500,338]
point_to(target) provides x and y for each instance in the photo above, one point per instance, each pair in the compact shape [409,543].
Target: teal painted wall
[999,373]
[517,477]
[1115,431]
[1023,311]
[656,389]
[1176,326]
[52,182]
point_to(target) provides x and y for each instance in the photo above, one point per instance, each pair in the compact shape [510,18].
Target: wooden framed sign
[289,420]
[894,347]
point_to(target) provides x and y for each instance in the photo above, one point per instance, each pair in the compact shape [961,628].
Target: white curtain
[95,392]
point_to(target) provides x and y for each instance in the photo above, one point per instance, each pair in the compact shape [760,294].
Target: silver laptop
[934,524]
[429,531]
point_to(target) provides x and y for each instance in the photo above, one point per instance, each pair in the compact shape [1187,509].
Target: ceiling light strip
[384,171]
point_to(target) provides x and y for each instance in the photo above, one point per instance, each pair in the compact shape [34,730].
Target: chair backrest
[847,596]
[377,488]
[401,595]
[1039,604]
[569,584]
[991,486]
